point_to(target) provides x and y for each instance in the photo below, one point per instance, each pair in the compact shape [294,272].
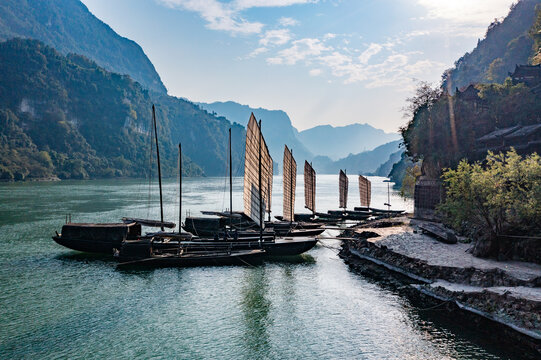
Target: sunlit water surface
[57,303]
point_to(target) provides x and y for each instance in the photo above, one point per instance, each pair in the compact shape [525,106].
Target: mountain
[69,27]
[385,168]
[341,141]
[64,116]
[276,126]
[363,163]
[507,43]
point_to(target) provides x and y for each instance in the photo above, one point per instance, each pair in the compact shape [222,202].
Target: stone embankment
[507,293]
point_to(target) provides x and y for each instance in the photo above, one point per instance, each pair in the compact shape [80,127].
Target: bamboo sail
[365,191]
[290,182]
[309,187]
[344,183]
[257,174]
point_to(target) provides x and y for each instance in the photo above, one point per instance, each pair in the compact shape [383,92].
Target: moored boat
[97,238]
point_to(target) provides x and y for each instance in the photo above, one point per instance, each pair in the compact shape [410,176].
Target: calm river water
[56,303]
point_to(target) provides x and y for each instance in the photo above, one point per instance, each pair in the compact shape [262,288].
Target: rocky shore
[503,295]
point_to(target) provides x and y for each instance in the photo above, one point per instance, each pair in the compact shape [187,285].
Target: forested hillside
[69,27]
[507,43]
[67,117]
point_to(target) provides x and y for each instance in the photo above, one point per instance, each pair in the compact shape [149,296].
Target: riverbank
[506,293]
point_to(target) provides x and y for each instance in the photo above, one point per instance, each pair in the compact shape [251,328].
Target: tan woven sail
[365,191]
[344,183]
[255,204]
[309,187]
[290,182]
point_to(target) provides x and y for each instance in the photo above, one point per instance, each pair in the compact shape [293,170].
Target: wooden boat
[236,226]
[207,258]
[379,211]
[147,247]
[103,238]
[97,238]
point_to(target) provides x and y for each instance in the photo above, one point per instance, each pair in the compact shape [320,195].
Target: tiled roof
[499,133]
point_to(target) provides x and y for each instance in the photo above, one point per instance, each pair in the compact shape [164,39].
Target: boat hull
[288,247]
[96,238]
[249,257]
[90,246]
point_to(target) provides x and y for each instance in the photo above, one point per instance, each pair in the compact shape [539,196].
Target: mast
[179,187]
[230,185]
[159,167]
[313,189]
[309,187]
[343,187]
[261,219]
[291,187]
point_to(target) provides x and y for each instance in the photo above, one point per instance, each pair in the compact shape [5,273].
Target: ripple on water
[55,303]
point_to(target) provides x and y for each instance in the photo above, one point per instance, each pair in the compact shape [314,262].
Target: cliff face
[68,117]
[69,27]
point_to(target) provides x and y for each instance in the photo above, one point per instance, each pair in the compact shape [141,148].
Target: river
[57,303]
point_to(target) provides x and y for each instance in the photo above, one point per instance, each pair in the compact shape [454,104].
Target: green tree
[500,197]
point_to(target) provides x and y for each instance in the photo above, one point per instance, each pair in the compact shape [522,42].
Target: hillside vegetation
[67,117]
[69,27]
[507,42]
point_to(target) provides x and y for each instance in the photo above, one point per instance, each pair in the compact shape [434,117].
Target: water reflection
[255,309]
[56,303]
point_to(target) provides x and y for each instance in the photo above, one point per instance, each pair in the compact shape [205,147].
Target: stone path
[406,240]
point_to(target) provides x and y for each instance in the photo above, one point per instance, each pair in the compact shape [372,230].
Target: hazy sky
[323,62]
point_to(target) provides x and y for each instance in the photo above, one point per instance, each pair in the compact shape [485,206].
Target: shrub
[501,196]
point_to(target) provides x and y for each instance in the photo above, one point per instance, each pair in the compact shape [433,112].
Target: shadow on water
[255,309]
[304,259]
[85,258]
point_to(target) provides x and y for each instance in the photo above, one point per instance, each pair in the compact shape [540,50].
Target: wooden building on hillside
[527,74]
[524,139]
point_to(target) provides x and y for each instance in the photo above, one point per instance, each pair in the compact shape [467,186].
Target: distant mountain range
[276,126]
[364,163]
[313,144]
[341,141]
[69,27]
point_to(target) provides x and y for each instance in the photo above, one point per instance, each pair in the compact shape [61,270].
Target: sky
[333,62]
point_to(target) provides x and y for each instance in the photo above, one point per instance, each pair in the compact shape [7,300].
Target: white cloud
[258,51]
[275,37]
[477,11]
[227,16]
[287,21]
[372,50]
[300,50]
[219,16]
[396,69]
[246,4]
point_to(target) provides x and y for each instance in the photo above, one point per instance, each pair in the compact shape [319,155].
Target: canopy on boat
[290,182]
[257,174]
[365,191]
[344,183]
[309,187]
